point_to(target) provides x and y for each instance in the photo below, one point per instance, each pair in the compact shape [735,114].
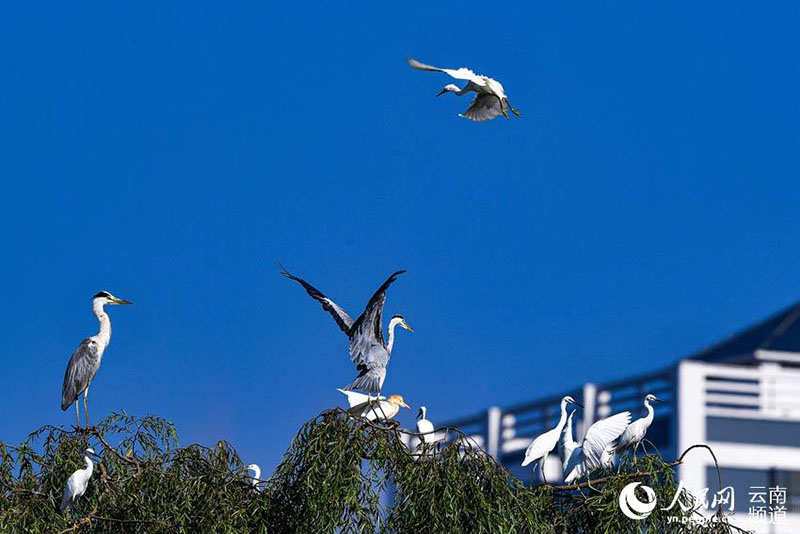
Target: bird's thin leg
[619,464]
[503,109]
[544,478]
[77,416]
[589,482]
[513,109]
[380,407]
[644,448]
[86,406]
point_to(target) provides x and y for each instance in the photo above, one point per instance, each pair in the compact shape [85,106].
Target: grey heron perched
[374,408]
[367,348]
[85,361]
[636,431]
[541,446]
[78,481]
[595,451]
[490,97]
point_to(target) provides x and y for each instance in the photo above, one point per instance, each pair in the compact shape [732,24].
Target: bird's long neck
[89,466]
[390,344]
[650,414]
[568,432]
[563,419]
[105,323]
[256,471]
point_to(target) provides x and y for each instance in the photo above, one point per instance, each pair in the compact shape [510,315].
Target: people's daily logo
[630,504]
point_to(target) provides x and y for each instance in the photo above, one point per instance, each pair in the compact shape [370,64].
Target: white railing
[768,391]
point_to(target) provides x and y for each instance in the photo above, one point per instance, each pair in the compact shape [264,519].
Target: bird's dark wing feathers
[368,324]
[339,315]
[483,107]
[80,371]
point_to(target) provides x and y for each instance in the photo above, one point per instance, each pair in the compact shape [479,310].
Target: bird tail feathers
[367,382]
[66,504]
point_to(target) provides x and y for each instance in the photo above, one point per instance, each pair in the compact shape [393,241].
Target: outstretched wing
[339,315]
[483,107]
[80,371]
[355,399]
[602,434]
[459,74]
[367,329]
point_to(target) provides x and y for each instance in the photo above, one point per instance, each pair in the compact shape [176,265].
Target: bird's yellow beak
[404,405]
[405,325]
[121,301]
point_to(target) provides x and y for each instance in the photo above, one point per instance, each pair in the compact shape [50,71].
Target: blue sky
[644,206]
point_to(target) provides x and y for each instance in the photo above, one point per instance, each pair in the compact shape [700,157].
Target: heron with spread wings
[367,348]
[490,97]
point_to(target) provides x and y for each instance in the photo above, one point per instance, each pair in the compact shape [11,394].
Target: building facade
[740,396]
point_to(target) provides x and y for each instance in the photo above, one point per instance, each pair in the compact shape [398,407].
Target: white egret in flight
[85,361]
[367,348]
[256,474]
[541,446]
[595,450]
[374,408]
[636,431]
[424,426]
[490,97]
[78,481]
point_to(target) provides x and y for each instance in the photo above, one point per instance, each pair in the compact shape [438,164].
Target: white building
[740,396]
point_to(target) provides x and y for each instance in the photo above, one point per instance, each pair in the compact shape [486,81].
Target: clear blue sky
[644,206]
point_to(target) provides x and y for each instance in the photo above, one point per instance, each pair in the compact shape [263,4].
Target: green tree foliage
[333,478]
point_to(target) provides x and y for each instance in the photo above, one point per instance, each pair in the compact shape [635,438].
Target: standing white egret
[636,431]
[490,97]
[541,446]
[85,361]
[256,474]
[372,408]
[594,451]
[367,348]
[424,426]
[566,443]
[78,481]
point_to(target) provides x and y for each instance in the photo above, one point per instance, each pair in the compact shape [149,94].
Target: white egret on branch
[85,361]
[367,348]
[637,430]
[256,474]
[372,408]
[566,443]
[424,426]
[490,97]
[78,481]
[595,451]
[541,446]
